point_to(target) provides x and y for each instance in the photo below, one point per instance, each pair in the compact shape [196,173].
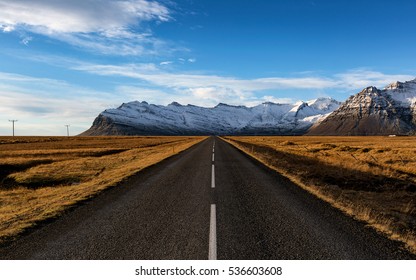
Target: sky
[64,62]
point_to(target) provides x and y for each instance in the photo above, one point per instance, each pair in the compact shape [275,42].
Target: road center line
[213,176]
[212,252]
[213,157]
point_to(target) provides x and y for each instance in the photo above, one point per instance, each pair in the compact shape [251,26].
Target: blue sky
[63,62]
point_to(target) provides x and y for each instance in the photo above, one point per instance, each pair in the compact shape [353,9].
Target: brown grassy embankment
[42,176]
[372,179]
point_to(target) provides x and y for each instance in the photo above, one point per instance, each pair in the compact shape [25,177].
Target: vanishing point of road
[208,202]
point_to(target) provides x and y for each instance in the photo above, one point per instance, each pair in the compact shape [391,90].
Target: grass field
[370,178]
[40,177]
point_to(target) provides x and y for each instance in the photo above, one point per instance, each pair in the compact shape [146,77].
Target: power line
[67,129]
[13,121]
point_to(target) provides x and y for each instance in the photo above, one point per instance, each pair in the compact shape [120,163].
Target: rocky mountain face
[374,112]
[141,118]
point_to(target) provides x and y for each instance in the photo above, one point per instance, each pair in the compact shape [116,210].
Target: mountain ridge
[142,118]
[373,111]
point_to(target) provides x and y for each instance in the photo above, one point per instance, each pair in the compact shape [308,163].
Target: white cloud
[47,103]
[211,89]
[6,28]
[107,26]
[166,63]
[284,100]
[26,40]
[149,95]
[361,78]
[211,96]
[206,97]
[191,60]
[184,80]
[298,83]
[351,80]
[80,16]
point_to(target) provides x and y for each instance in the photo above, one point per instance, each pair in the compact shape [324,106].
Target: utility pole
[13,121]
[67,129]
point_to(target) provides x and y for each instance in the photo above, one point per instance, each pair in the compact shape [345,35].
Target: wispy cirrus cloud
[360,78]
[350,80]
[166,63]
[185,80]
[106,26]
[210,89]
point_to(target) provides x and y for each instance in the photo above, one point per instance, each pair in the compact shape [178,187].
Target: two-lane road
[211,201]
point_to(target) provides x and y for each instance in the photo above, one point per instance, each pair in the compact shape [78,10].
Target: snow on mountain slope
[141,118]
[404,93]
[324,105]
[373,112]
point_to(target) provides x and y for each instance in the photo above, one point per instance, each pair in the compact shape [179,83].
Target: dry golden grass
[372,179]
[42,176]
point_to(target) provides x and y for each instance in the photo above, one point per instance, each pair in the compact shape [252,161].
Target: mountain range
[372,111]
[141,118]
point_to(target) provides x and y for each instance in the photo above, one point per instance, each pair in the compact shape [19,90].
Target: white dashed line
[213,177]
[212,252]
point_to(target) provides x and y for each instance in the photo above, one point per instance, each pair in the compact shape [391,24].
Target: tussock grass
[372,179]
[40,177]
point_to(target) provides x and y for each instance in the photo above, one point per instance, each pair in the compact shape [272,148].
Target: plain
[41,177]
[372,179]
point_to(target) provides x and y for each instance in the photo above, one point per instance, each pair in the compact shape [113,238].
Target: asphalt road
[211,201]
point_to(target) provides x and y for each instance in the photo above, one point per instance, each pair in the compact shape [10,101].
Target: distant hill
[141,118]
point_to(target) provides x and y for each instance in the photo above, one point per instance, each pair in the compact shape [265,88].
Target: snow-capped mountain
[141,118]
[374,112]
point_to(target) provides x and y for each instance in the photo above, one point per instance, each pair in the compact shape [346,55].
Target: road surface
[209,202]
